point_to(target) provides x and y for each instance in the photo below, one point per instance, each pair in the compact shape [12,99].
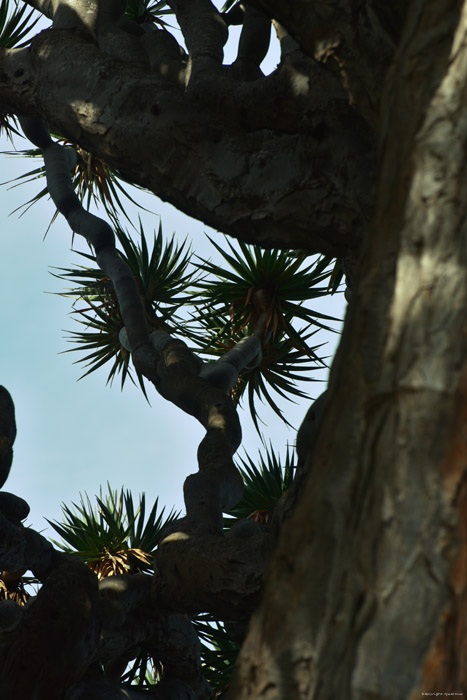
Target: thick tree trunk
[366,594]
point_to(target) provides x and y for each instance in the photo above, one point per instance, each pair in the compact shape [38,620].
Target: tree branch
[132,617]
[76,14]
[99,234]
[222,576]
[253,44]
[218,485]
[357,39]
[259,163]
[21,548]
[78,622]
[59,625]
[205,34]
[45,7]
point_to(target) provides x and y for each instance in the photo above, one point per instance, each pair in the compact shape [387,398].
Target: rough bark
[221,575]
[282,160]
[365,597]
[348,35]
[61,624]
[81,624]
[366,593]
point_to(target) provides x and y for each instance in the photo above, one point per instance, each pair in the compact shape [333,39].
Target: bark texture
[365,596]
[281,161]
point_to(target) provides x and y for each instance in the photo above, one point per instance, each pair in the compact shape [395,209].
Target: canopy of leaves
[272,290]
[265,482]
[218,653]
[250,288]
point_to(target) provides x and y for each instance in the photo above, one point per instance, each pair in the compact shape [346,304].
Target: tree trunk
[366,594]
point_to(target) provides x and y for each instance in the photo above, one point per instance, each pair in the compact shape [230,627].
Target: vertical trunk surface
[366,595]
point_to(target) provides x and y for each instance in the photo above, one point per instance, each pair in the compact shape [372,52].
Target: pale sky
[74,436]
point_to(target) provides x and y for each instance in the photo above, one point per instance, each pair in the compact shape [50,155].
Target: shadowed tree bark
[354,147]
[372,562]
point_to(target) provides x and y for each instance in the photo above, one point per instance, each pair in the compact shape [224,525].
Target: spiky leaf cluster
[257,289]
[267,292]
[258,280]
[147,11]
[218,653]
[161,275]
[112,537]
[93,181]
[144,671]
[264,484]
[16,22]
[13,587]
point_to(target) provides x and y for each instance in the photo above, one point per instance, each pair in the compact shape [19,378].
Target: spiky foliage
[262,290]
[93,181]
[281,367]
[267,281]
[147,11]
[112,537]
[16,22]
[264,483]
[336,276]
[218,653]
[144,671]
[161,276]
[13,587]
[9,126]
[266,292]
[228,4]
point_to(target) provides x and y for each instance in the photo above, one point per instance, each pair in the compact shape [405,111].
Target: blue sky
[74,436]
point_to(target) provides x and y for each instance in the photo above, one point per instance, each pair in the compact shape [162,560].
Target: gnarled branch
[256,162]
